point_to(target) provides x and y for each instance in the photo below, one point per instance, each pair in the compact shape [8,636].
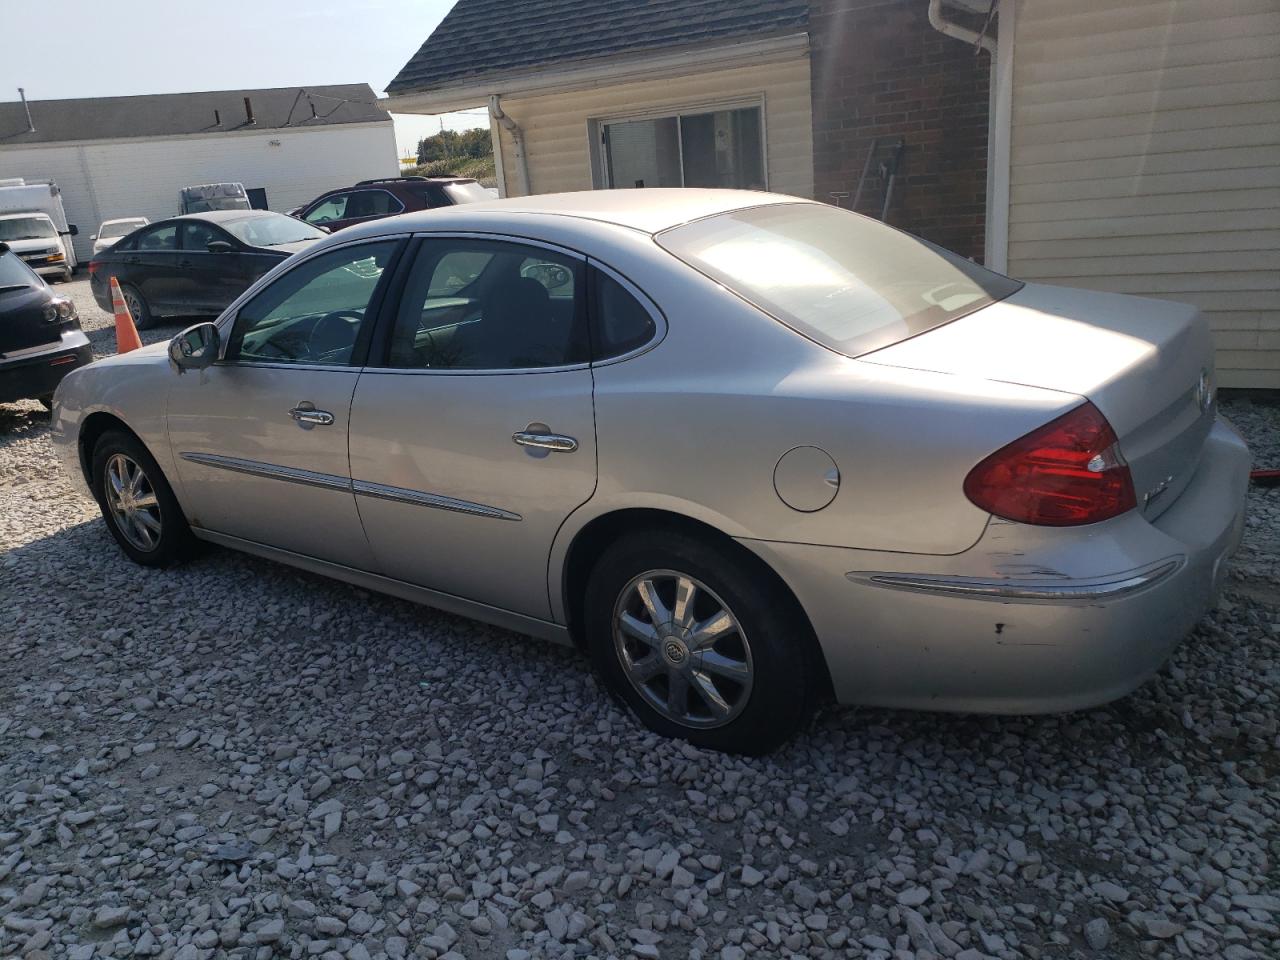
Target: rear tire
[137,502]
[46,401]
[138,307]
[730,663]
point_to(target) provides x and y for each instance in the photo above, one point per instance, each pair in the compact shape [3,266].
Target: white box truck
[34,225]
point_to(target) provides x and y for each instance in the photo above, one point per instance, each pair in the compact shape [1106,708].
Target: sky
[130,47]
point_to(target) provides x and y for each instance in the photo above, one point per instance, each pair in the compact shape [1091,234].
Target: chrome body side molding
[1014,590]
[360,487]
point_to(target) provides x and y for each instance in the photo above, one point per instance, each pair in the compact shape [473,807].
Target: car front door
[473,429]
[329,212]
[260,437]
[209,280]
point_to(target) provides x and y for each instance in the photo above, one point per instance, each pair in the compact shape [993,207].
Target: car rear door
[260,437]
[473,429]
[151,266]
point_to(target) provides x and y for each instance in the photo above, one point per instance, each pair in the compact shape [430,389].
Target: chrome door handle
[558,443]
[311,415]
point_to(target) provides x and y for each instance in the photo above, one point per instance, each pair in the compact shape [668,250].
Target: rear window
[14,274]
[470,192]
[849,282]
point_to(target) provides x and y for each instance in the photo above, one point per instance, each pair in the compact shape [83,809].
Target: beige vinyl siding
[556,126]
[1145,159]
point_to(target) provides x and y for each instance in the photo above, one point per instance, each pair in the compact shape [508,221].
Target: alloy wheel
[682,649]
[132,501]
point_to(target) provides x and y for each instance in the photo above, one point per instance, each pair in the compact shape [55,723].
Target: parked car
[40,337]
[112,231]
[34,224]
[195,265]
[746,450]
[375,199]
[207,197]
[34,238]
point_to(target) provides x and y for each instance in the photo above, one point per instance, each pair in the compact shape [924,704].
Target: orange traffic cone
[126,333]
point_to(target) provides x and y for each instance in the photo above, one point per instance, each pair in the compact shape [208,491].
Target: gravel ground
[233,759]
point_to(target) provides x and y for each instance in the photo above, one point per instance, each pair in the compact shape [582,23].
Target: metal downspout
[517,141]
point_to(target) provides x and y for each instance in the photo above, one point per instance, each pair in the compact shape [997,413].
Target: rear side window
[622,323]
[849,282]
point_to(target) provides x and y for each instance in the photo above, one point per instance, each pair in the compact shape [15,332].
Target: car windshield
[467,192]
[27,228]
[849,282]
[119,228]
[272,230]
[14,274]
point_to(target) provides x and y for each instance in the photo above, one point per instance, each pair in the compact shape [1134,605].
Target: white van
[34,225]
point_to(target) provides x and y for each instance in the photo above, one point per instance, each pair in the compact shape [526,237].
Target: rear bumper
[1030,619]
[37,373]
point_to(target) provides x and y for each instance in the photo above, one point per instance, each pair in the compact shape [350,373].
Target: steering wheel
[334,332]
[550,275]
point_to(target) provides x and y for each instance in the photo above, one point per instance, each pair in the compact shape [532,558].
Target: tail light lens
[94,267]
[1068,472]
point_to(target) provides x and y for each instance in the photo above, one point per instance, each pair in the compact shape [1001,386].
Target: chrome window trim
[365,488]
[382,491]
[651,307]
[1012,589]
[271,471]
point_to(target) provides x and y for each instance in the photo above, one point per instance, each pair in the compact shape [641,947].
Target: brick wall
[880,70]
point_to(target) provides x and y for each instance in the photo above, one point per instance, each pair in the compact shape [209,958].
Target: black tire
[779,649]
[174,541]
[138,307]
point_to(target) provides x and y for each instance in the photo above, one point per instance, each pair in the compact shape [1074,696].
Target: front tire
[700,643]
[137,502]
[138,307]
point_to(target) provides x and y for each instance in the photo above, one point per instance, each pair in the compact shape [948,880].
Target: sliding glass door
[719,148]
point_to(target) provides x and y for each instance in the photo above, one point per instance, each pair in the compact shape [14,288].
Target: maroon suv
[374,199]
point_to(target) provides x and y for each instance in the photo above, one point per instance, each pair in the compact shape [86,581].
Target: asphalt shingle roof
[178,114]
[493,37]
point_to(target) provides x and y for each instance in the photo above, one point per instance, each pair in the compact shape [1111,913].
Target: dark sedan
[197,264]
[40,337]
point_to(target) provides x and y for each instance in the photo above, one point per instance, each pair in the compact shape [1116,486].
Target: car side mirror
[93,236]
[219,246]
[195,347]
[73,230]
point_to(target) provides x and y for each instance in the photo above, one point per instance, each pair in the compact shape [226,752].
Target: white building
[129,156]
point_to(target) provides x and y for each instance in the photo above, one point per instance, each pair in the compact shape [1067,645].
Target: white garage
[129,156]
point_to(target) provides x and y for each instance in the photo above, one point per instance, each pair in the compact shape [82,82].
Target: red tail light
[1068,472]
[94,267]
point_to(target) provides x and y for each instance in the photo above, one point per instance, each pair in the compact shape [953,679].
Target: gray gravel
[232,759]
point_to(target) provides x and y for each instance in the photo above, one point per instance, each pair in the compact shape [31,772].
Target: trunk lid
[1146,364]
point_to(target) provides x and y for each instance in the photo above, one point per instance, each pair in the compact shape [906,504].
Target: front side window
[197,236]
[314,313]
[490,305]
[159,239]
[329,209]
[720,148]
[849,282]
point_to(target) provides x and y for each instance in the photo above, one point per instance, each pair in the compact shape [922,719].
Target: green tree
[454,145]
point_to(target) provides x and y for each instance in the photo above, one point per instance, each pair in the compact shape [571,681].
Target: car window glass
[490,305]
[314,313]
[159,239]
[622,323]
[332,208]
[371,203]
[197,236]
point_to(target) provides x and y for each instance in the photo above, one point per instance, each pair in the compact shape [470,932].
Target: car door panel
[249,470]
[448,499]
[477,354]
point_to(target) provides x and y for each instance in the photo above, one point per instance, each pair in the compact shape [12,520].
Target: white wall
[1146,159]
[121,178]
[556,126]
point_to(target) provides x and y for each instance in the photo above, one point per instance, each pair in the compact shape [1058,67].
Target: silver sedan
[745,451]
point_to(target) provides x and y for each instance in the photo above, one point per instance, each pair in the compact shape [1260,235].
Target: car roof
[124,220]
[649,210]
[228,216]
[26,215]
